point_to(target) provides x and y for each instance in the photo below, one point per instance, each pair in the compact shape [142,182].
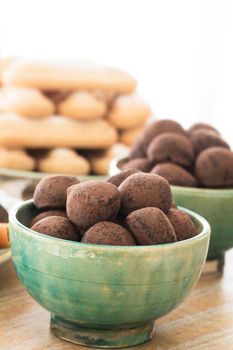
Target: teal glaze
[216,206]
[104,296]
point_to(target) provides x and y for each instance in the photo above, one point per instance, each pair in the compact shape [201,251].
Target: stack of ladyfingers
[66,118]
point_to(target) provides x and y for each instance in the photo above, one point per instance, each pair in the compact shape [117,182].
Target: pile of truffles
[112,212]
[195,157]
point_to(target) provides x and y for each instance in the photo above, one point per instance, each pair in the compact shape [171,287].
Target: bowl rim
[114,169]
[206,231]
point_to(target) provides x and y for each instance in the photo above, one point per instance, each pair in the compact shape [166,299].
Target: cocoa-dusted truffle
[120,177]
[214,167]
[150,226]
[202,126]
[141,164]
[137,150]
[175,174]
[160,127]
[145,190]
[45,214]
[3,215]
[91,202]
[51,192]
[203,139]
[106,232]
[171,147]
[56,226]
[182,224]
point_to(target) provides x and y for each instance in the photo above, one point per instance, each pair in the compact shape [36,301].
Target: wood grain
[203,321]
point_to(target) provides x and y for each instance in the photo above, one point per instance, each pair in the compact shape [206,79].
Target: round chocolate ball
[51,192]
[137,150]
[144,190]
[202,139]
[214,167]
[150,226]
[175,174]
[160,127]
[171,147]
[202,126]
[57,226]
[182,224]
[92,201]
[141,164]
[120,177]
[46,213]
[3,215]
[106,232]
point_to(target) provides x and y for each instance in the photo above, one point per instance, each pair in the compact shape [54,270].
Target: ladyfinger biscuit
[82,105]
[55,76]
[100,162]
[55,131]
[107,97]
[4,64]
[4,236]
[64,161]
[128,112]
[25,101]
[16,159]
[128,137]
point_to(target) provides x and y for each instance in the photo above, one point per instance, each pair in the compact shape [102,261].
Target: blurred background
[180,51]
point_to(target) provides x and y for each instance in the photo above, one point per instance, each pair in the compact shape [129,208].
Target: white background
[180,51]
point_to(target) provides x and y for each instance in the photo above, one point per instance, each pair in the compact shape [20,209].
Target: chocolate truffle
[120,177]
[203,139]
[214,167]
[51,192]
[171,147]
[202,126]
[56,226]
[150,226]
[182,224]
[137,150]
[106,232]
[144,190]
[160,127]
[45,214]
[3,215]
[141,164]
[175,174]
[91,202]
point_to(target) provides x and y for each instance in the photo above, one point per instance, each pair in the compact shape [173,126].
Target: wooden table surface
[203,321]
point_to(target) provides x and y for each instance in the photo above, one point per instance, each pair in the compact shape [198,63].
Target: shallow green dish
[37,176]
[104,296]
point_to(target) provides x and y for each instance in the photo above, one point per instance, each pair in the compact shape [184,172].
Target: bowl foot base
[102,338]
[215,264]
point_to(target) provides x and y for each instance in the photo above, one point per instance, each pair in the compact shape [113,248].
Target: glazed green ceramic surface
[216,206]
[105,287]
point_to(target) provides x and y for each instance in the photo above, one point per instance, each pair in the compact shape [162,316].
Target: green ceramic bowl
[104,296]
[215,205]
